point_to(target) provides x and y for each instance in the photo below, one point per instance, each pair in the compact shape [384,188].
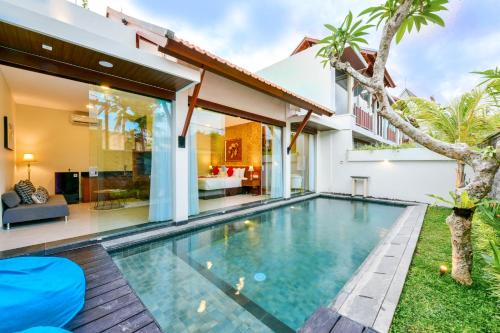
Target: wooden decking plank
[105,270]
[151,328]
[112,319]
[110,303]
[83,253]
[102,310]
[84,259]
[346,325]
[106,297]
[321,321]
[93,292]
[104,280]
[132,324]
[96,263]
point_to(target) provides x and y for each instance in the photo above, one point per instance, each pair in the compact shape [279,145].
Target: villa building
[135,126]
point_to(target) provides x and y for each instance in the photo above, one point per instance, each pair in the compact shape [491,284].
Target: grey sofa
[16,212]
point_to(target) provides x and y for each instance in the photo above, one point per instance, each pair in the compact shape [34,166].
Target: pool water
[267,272]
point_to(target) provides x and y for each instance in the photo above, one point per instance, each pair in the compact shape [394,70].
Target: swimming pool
[267,272]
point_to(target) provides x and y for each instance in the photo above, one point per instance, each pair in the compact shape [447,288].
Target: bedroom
[234,161]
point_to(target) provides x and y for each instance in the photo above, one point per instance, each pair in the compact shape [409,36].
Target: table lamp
[29,158]
[250,168]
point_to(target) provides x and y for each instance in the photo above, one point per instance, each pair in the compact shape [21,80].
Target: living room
[90,147]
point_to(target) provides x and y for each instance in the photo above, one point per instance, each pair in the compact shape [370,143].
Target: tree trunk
[460,175]
[460,224]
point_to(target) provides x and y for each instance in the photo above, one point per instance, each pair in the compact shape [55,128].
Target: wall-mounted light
[89,106]
[105,63]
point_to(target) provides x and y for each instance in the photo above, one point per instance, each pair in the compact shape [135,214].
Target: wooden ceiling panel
[23,48]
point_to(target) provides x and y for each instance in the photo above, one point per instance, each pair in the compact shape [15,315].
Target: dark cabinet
[68,184]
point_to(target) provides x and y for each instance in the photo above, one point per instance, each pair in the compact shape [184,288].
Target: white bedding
[217,183]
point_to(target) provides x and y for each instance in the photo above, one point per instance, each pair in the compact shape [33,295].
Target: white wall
[7,157]
[58,145]
[305,75]
[407,174]
[229,93]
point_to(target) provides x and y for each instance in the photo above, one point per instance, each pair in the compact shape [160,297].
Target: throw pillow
[230,172]
[24,190]
[215,170]
[11,199]
[44,190]
[40,196]
[30,185]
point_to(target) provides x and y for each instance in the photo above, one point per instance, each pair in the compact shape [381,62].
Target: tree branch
[346,67]
[390,28]
[456,151]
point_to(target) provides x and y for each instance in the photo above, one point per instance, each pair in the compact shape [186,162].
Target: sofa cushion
[11,199]
[40,196]
[25,190]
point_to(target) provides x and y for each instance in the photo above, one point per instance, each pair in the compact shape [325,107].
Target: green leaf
[331,27]
[400,33]
[435,19]
[370,10]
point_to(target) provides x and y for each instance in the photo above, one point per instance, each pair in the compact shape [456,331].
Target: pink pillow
[230,171]
[215,170]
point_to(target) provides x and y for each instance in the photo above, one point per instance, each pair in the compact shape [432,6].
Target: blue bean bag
[39,291]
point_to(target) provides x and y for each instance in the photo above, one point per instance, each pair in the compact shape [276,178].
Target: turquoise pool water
[267,272]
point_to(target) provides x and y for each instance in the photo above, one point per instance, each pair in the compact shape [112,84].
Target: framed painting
[233,150]
[8,134]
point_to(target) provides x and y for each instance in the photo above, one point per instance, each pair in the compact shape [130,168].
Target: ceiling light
[104,87]
[47,47]
[105,63]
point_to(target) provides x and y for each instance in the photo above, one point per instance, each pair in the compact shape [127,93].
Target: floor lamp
[29,158]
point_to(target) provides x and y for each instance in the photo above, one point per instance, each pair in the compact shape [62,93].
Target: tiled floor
[225,202]
[83,220]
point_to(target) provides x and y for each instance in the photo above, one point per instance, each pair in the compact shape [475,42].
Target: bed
[211,187]
[218,183]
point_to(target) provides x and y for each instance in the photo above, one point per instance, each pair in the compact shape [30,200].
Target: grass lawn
[430,303]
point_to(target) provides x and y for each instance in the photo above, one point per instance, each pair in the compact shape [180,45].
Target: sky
[257,33]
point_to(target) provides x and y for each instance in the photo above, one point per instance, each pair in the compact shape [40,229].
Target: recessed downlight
[105,63]
[47,47]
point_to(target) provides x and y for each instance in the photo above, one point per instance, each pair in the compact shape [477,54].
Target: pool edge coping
[372,310]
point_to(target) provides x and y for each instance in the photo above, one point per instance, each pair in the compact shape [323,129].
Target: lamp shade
[250,168]
[28,157]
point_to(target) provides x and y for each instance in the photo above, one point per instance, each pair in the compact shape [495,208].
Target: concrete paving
[372,294]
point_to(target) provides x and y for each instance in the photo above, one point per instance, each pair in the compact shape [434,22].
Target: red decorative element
[230,171]
[215,170]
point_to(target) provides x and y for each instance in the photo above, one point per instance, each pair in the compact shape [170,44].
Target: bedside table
[251,186]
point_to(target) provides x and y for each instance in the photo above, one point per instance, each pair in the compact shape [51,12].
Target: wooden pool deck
[111,305]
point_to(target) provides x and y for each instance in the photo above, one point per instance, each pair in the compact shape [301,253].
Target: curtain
[160,193]
[277,163]
[194,208]
[312,162]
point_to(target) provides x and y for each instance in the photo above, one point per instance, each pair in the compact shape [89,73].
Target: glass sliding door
[129,180]
[232,162]
[272,161]
[303,178]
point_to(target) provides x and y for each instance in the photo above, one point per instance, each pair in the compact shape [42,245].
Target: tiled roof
[224,62]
